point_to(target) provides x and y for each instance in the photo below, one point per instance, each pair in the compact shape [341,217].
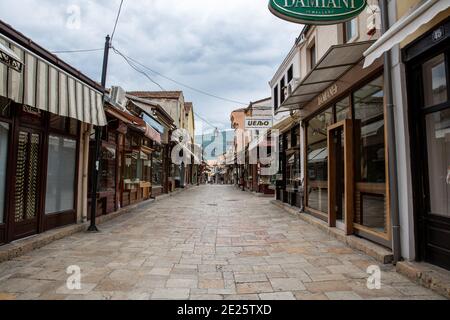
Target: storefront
[346,156]
[343,152]
[346,162]
[159,128]
[290,166]
[46,108]
[428,73]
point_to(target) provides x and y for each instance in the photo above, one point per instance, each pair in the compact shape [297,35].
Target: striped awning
[42,85]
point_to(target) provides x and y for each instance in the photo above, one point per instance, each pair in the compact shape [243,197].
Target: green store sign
[317,11]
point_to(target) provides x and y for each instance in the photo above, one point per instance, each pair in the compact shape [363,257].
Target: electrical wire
[77,51]
[185,85]
[205,121]
[130,63]
[117,20]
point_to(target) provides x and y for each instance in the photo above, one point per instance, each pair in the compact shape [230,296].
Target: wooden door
[26,182]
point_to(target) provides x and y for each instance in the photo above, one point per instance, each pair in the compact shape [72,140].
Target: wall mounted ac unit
[118,97]
[292,86]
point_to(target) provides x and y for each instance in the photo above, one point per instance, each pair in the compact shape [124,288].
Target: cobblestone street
[209,242]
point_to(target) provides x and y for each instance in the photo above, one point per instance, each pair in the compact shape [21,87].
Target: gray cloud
[227,48]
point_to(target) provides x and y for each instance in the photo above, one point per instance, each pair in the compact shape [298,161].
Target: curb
[428,276]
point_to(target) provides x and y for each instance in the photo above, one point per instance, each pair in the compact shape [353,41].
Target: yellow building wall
[405,7]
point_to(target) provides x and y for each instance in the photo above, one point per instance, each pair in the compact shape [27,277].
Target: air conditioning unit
[289,90]
[118,97]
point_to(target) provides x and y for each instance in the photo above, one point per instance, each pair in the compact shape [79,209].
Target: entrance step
[379,253]
[427,275]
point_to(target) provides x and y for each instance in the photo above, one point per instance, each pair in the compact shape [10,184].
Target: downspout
[392,145]
[86,138]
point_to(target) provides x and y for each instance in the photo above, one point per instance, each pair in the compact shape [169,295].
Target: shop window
[146,164]
[370,157]
[107,179]
[438,144]
[369,131]
[61,167]
[343,110]
[350,30]
[131,167]
[4,137]
[293,170]
[435,81]
[317,157]
[157,168]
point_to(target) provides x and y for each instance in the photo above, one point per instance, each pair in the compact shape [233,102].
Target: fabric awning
[334,64]
[10,58]
[406,26]
[152,134]
[42,85]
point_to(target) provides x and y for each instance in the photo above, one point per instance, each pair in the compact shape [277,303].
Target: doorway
[341,176]
[430,92]
[26,187]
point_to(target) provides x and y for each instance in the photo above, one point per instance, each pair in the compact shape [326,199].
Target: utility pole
[95,169]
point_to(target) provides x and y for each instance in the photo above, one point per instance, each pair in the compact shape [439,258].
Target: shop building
[48,109]
[134,152]
[173,102]
[417,44]
[336,156]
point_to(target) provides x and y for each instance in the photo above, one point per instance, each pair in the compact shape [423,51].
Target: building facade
[48,109]
[416,45]
[334,158]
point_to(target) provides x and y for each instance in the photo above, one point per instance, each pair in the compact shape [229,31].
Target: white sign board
[258,123]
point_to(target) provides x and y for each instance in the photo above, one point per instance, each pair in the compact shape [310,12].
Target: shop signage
[255,123]
[328,94]
[317,11]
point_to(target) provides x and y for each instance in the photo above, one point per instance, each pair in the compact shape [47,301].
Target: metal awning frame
[10,58]
[291,103]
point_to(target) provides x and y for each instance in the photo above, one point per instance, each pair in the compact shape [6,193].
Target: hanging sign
[317,12]
[257,123]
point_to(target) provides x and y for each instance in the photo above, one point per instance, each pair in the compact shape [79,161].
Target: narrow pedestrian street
[208,242]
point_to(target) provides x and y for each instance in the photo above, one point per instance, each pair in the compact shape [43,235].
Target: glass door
[26,184]
[339,173]
[341,176]
[435,126]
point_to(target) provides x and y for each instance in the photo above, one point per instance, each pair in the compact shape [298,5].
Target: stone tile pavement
[211,242]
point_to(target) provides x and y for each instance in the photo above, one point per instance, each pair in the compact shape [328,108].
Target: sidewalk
[24,246]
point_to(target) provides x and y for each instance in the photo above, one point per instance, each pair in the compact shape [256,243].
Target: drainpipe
[86,137]
[392,145]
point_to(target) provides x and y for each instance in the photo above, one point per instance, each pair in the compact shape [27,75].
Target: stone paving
[210,242]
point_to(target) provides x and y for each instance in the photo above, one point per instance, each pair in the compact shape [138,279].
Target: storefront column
[405,192]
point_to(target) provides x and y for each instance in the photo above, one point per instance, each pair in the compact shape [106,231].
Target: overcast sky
[228,48]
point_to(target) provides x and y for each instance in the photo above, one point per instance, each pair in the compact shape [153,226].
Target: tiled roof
[156,94]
